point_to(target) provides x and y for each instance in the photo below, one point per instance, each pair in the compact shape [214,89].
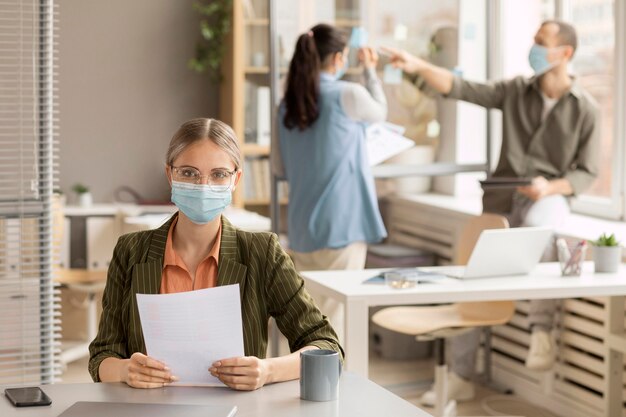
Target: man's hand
[404,60]
[368,56]
[539,189]
[142,371]
[246,373]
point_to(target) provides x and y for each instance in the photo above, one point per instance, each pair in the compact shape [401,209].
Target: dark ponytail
[303,79]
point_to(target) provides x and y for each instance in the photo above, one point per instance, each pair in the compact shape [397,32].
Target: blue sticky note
[392,75]
[358,38]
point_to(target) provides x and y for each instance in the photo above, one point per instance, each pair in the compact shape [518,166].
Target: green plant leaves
[214,27]
[79,188]
[607,240]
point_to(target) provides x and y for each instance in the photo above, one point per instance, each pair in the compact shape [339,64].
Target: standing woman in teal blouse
[333,209]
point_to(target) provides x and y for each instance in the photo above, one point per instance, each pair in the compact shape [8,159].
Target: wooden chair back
[472,230]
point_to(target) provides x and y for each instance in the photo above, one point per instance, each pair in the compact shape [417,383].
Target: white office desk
[544,282]
[357,397]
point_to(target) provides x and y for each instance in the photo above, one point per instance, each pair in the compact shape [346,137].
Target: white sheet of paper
[384,141]
[400,32]
[189,331]
[399,129]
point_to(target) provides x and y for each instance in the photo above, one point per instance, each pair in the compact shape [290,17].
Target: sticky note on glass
[392,75]
[358,38]
[400,32]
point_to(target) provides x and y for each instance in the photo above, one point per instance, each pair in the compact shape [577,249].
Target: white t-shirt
[548,105]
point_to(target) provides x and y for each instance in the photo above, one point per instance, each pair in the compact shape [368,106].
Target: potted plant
[84,196]
[215,25]
[607,253]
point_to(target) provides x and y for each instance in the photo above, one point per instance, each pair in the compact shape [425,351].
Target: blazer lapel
[147,274]
[146,279]
[230,270]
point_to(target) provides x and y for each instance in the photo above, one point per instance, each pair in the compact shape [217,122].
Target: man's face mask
[538,59]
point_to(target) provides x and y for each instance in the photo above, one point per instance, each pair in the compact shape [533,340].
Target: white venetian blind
[29,316]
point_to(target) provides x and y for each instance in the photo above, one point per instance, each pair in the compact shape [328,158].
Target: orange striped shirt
[176,277]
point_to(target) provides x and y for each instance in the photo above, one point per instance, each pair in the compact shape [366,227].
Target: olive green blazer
[268,283]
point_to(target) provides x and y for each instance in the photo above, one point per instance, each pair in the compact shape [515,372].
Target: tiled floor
[407,379]
[410,379]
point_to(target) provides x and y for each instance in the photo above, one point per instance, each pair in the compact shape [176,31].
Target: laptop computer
[502,252]
[107,409]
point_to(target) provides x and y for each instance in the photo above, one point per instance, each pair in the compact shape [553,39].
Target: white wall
[124,88]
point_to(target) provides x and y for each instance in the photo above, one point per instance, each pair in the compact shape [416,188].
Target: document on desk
[385,140]
[189,331]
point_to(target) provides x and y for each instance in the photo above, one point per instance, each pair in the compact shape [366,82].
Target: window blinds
[29,315]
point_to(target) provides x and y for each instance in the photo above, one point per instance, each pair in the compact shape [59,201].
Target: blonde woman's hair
[199,129]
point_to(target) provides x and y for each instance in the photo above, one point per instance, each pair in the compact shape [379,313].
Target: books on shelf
[248,9]
[257,179]
[257,114]
[263,123]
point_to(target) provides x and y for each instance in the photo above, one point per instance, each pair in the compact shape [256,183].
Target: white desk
[544,283]
[357,397]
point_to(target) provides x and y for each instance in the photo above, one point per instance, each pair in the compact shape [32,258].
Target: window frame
[613,206]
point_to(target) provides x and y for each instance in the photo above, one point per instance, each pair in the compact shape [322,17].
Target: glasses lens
[221,178]
[190,175]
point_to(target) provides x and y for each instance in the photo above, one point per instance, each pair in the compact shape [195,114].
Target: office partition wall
[29,321]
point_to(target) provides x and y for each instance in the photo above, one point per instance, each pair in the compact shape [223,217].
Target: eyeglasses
[216,180]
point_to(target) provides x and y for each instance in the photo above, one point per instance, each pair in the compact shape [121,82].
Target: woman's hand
[245,373]
[404,60]
[141,371]
[368,56]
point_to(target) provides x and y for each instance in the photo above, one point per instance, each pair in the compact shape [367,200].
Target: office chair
[440,322]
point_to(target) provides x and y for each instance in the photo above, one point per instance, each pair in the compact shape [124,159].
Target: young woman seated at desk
[198,248]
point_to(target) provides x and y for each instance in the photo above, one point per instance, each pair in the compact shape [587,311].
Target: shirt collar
[170,257]
[327,76]
[575,89]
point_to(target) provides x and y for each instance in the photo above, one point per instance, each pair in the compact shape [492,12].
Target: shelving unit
[247,68]
[388,171]
[246,72]
[255,149]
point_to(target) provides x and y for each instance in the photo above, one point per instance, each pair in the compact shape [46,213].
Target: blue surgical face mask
[538,59]
[199,202]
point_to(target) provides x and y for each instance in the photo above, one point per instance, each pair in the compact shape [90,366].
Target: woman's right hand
[141,371]
[404,60]
[368,56]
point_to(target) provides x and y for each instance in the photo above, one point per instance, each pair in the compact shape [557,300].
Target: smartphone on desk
[27,397]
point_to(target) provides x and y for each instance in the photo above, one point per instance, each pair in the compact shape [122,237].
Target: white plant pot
[85,199]
[607,258]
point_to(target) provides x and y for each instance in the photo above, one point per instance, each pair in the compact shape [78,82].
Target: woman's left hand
[245,373]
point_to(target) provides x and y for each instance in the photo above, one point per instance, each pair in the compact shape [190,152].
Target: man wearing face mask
[550,133]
